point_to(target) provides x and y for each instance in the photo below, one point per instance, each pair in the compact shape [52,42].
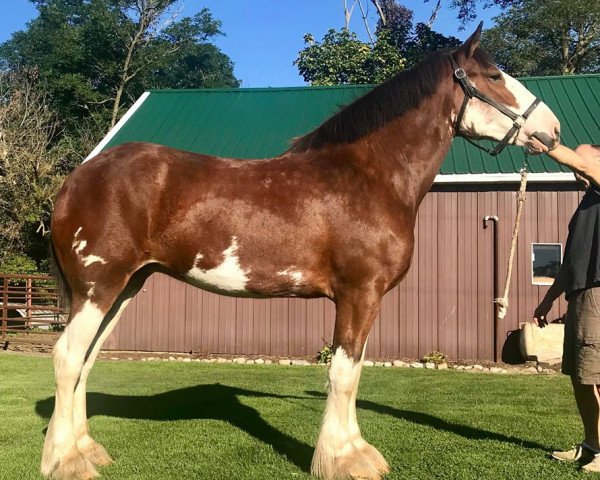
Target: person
[579,279]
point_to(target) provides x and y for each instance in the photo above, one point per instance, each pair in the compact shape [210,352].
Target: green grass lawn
[167,420]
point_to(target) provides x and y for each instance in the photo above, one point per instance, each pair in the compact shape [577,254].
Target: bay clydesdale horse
[331,217]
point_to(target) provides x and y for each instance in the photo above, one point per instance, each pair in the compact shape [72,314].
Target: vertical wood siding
[445,302]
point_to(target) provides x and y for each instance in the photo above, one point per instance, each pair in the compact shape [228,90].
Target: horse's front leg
[341,452]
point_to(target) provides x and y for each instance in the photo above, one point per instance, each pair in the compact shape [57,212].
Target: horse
[333,216]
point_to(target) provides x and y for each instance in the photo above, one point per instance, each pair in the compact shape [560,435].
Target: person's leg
[588,404]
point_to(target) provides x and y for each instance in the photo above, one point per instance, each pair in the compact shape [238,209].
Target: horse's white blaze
[90,291]
[295,275]
[483,120]
[228,276]
[89,259]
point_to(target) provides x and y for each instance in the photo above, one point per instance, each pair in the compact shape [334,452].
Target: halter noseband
[471,91]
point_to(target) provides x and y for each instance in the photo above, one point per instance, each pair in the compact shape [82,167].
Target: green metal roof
[260,122]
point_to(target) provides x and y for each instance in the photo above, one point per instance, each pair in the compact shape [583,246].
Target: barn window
[546,259]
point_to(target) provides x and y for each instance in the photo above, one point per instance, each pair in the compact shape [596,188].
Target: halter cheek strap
[471,91]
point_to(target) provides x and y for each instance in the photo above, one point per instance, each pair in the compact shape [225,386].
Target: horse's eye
[496,77]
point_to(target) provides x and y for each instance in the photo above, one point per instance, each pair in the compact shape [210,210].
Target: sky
[263,37]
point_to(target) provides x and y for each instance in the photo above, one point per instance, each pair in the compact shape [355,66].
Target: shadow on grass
[428,420]
[214,402]
[220,402]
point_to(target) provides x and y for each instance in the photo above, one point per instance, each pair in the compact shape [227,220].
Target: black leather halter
[471,91]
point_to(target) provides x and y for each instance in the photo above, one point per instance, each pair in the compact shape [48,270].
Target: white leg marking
[228,276]
[60,448]
[85,443]
[334,441]
[341,452]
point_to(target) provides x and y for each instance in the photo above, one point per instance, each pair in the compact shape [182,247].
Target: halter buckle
[460,74]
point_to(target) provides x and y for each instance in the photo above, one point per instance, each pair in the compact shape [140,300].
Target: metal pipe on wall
[494,219]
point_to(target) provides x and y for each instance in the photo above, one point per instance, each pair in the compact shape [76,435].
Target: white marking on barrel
[228,276]
[295,275]
[89,259]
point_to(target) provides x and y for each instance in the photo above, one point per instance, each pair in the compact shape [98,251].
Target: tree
[97,56]
[413,42]
[341,57]
[553,37]
[31,170]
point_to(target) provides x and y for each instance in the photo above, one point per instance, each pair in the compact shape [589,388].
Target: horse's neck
[410,150]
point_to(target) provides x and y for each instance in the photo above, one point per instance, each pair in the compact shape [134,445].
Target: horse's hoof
[74,467]
[365,463]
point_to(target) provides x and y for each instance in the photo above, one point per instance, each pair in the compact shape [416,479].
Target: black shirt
[581,262]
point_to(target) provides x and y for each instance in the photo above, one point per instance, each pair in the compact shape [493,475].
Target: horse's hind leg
[91,449]
[341,452]
[61,457]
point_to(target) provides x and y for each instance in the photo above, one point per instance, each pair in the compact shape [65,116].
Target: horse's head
[498,107]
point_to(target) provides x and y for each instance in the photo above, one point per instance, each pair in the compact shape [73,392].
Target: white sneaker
[593,465]
[576,453]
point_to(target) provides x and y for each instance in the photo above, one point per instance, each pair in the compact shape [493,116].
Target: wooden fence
[30,304]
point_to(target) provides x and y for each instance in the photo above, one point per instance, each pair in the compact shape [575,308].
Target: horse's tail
[64,291]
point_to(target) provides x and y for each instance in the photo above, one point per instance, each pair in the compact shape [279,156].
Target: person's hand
[535,147]
[540,142]
[539,316]
[583,180]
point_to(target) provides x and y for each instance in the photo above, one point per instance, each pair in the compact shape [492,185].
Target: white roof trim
[118,126]
[504,177]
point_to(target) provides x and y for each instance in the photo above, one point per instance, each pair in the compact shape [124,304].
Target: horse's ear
[472,42]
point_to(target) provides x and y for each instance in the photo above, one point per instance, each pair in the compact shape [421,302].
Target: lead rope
[521,197]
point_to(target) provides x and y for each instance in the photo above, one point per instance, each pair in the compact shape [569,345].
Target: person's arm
[555,291]
[583,161]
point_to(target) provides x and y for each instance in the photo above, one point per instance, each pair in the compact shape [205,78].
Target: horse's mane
[386,102]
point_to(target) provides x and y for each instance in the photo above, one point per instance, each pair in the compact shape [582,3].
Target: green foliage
[32,166]
[412,41]
[339,58]
[197,63]
[80,48]
[18,264]
[342,58]
[467,9]
[435,357]
[554,37]
[325,354]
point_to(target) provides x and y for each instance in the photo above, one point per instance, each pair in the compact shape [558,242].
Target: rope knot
[502,306]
